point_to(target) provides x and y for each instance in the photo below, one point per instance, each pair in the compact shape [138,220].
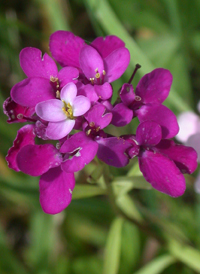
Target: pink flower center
[98,79]
[68,110]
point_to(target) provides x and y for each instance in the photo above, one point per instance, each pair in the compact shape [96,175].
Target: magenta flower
[56,185]
[44,82]
[61,114]
[101,63]
[162,162]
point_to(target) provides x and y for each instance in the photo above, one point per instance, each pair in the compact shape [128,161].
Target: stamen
[92,124]
[67,109]
[97,75]
[58,94]
[53,79]
[20,116]
[92,80]
[96,70]
[104,73]
[138,98]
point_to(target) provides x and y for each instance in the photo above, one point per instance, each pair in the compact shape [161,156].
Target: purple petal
[116,63]
[67,75]
[184,157]
[15,112]
[122,115]
[25,136]
[162,173]
[154,87]
[91,62]
[68,93]
[97,117]
[89,92]
[81,105]
[59,130]
[51,110]
[194,141]
[56,188]
[80,150]
[189,124]
[31,91]
[162,116]
[104,91]
[34,65]
[40,130]
[106,45]
[148,133]
[127,95]
[35,160]
[65,48]
[112,151]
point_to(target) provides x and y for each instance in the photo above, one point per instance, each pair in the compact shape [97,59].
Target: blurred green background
[118,228]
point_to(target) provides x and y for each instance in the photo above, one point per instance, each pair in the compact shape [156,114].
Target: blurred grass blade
[85,191]
[186,254]
[113,248]
[157,265]
[104,14]
[8,262]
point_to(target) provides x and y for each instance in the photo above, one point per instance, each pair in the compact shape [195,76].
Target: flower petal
[148,133]
[90,62]
[51,110]
[127,95]
[189,124]
[89,92]
[59,130]
[154,87]
[162,116]
[116,63]
[31,91]
[68,93]
[67,75]
[98,117]
[122,115]
[81,105]
[184,157]
[56,188]
[16,112]
[65,48]
[112,151]
[34,65]
[106,45]
[104,91]
[25,136]
[162,173]
[194,141]
[80,150]
[35,160]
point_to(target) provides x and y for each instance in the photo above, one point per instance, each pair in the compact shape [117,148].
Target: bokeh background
[123,230]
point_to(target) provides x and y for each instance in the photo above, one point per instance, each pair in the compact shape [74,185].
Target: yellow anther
[58,94]
[137,98]
[97,129]
[92,124]
[97,75]
[67,109]
[88,132]
[92,80]
[96,70]
[53,79]
[104,73]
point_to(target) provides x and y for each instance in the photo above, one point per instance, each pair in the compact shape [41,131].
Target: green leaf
[112,26]
[126,204]
[186,254]
[85,191]
[157,265]
[124,184]
[113,248]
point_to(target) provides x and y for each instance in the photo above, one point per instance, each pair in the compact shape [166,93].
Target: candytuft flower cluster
[54,102]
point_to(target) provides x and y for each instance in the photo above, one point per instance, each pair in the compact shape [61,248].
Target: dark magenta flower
[56,185]
[44,82]
[162,162]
